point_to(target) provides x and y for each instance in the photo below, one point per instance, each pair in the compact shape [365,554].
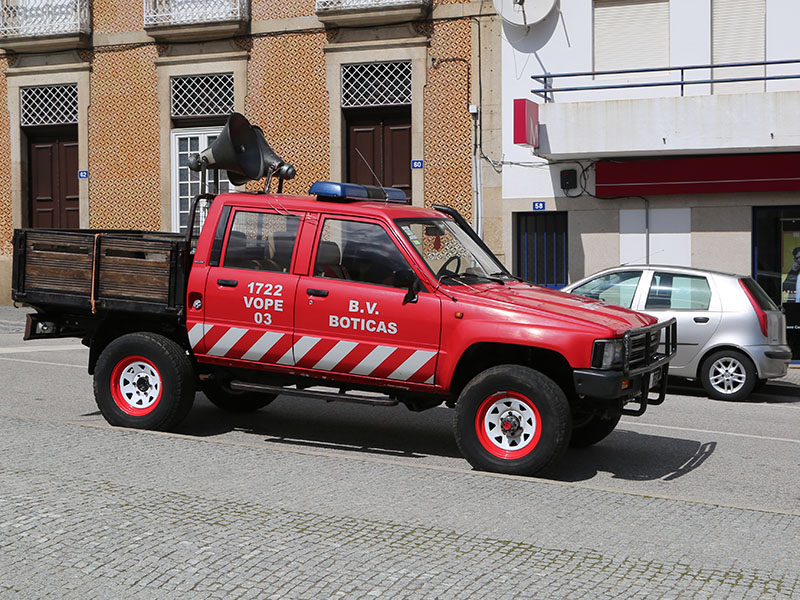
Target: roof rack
[332,191]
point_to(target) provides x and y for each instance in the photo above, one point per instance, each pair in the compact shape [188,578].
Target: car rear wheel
[512,419]
[728,375]
[145,381]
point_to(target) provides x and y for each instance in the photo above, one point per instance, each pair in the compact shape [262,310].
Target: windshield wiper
[457,276]
[508,275]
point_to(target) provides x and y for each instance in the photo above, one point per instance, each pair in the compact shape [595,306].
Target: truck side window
[261,241]
[358,251]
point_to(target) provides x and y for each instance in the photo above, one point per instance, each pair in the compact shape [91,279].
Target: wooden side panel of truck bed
[99,270]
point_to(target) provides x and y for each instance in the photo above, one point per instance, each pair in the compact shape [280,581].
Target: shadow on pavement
[301,422]
[395,431]
[635,457]
[771,393]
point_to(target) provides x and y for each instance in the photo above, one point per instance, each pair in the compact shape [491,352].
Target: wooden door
[54,182]
[379,148]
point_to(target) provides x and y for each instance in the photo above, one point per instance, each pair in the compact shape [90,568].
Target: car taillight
[762,316]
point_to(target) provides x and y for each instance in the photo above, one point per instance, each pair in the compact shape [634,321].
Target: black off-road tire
[145,381]
[512,419]
[728,375]
[592,429]
[234,401]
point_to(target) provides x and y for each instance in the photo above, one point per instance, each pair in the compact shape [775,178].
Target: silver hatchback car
[731,336]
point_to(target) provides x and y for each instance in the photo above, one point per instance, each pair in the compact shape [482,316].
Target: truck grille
[648,345]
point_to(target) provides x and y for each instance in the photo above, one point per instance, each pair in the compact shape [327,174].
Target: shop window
[776,248]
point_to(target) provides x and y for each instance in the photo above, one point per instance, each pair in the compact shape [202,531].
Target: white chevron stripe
[411,365]
[257,351]
[196,334]
[302,346]
[335,355]
[373,360]
[227,341]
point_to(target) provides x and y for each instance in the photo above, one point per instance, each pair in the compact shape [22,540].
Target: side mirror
[405,278]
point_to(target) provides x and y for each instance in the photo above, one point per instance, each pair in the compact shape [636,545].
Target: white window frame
[204,133]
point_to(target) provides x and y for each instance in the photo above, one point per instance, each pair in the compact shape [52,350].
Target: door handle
[227,282]
[315,292]
[701,319]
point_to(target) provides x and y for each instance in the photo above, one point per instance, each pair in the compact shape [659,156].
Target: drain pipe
[647,231]
[477,187]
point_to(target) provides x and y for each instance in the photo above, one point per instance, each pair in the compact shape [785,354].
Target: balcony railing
[159,13]
[676,77]
[43,18]
[359,4]
[370,12]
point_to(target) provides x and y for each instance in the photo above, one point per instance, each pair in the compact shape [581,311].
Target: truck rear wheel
[230,400]
[145,381]
[512,419]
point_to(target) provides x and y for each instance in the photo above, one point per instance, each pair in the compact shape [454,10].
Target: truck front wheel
[144,380]
[512,419]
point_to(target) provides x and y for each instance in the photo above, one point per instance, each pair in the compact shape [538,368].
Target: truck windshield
[450,253]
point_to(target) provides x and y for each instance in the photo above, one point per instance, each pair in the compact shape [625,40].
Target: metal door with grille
[185,182]
[541,248]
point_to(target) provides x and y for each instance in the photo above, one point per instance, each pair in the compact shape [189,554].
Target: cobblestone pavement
[94,512]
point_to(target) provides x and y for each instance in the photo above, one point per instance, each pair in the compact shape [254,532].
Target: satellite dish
[523,13]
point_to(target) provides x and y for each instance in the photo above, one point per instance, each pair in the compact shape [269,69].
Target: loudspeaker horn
[236,150]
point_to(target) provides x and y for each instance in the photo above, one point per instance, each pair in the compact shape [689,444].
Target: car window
[358,251]
[670,291]
[614,288]
[261,241]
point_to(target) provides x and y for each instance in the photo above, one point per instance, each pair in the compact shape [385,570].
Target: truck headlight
[608,354]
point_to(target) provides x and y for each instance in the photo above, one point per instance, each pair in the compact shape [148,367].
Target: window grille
[49,105]
[202,95]
[376,84]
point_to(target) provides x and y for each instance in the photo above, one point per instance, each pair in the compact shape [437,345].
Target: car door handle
[315,292]
[227,282]
[701,319]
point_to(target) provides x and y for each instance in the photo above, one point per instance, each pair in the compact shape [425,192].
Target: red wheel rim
[508,425]
[136,386]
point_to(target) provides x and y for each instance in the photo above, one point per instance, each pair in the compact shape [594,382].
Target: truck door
[350,316]
[250,290]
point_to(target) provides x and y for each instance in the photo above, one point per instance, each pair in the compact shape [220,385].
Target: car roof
[671,268]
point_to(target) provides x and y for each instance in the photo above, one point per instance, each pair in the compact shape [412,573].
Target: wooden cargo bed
[97,271]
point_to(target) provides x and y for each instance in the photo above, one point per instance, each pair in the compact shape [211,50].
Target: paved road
[306,500]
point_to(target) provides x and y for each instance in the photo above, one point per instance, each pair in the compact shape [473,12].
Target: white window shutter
[738,34]
[630,34]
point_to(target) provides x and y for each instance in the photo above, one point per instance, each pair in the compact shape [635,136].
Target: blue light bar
[333,191]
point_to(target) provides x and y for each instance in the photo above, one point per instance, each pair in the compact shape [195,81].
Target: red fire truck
[347,294]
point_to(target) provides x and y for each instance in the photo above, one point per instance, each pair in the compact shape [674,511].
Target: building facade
[659,131]
[107,100]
